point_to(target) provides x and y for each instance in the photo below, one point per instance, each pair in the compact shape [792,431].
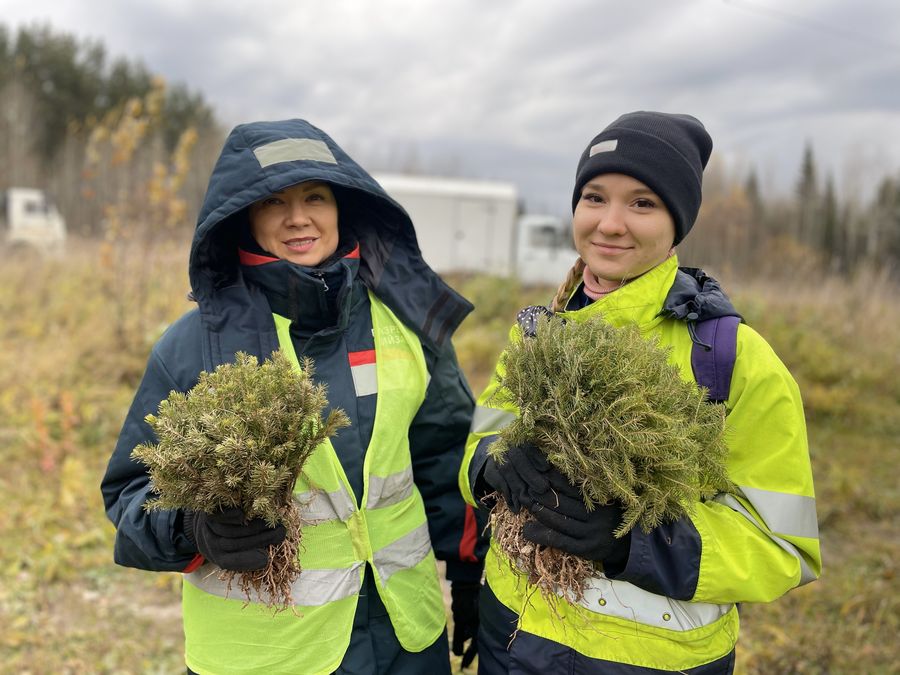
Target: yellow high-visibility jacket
[673,605]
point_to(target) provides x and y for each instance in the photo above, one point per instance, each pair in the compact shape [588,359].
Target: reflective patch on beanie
[603,146]
[292,150]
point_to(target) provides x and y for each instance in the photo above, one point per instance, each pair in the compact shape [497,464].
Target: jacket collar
[313,298]
[666,291]
[638,301]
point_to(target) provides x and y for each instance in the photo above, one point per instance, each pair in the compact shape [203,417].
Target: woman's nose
[297,214]
[612,220]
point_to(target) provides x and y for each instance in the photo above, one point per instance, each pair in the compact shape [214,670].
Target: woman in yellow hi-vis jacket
[298,248]
[667,600]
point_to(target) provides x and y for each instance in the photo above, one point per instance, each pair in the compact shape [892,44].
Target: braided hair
[573,278]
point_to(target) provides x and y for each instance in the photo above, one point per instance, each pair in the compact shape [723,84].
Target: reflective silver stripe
[293,149]
[314,588]
[406,552]
[487,419]
[388,490]
[626,601]
[317,505]
[784,513]
[806,573]
[365,379]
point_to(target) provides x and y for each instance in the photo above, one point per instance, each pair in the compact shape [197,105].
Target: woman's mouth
[300,244]
[609,249]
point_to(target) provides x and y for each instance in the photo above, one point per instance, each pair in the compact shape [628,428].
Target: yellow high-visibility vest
[389,532]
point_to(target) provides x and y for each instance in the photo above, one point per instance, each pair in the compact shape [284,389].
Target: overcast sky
[514,90]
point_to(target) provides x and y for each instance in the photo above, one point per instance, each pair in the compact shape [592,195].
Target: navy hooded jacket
[236,294]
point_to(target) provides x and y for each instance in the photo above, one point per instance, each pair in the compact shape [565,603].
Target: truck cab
[545,251]
[29,218]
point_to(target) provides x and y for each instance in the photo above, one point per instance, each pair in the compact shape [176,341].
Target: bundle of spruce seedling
[239,438]
[617,419]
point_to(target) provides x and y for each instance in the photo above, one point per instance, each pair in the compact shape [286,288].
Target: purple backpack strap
[713,360]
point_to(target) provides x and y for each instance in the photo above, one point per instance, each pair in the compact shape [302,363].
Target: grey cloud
[514,88]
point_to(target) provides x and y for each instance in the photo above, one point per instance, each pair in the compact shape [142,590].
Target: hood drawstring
[692,331]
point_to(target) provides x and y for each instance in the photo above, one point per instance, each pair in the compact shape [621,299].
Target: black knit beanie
[666,152]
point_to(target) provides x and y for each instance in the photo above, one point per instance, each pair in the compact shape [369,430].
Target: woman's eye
[644,203]
[271,201]
[315,197]
[592,197]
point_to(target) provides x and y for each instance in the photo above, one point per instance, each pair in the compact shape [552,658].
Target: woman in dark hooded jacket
[298,248]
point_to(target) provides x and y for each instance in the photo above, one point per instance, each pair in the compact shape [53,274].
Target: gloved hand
[464,607]
[524,468]
[230,541]
[564,522]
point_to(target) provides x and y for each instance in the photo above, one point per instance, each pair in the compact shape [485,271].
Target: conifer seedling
[240,438]
[618,420]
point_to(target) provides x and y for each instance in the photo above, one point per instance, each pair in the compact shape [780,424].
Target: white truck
[476,226]
[29,217]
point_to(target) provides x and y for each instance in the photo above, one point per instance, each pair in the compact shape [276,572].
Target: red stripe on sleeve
[469,537]
[253,259]
[194,564]
[361,358]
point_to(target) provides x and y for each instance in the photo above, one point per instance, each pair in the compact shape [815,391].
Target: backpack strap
[713,354]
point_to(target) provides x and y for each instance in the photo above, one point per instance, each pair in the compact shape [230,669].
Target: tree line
[808,231]
[60,96]
[104,135]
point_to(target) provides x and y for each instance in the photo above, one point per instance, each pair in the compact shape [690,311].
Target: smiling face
[621,228]
[299,224]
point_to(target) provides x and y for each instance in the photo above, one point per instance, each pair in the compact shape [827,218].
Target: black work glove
[464,607]
[524,469]
[564,522]
[230,541]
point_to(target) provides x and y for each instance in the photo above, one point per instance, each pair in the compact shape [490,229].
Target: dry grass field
[74,336]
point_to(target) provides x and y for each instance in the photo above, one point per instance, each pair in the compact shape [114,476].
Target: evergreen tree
[832,227]
[807,195]
[5,55]
[751,189]
[74,85]
[882,237]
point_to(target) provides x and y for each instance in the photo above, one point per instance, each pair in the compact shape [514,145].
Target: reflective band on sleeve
[389,490]
[629,602]
[486,419]
[408,551]
[806,573]
[314,588]
[792,515]
[292,150]
[317,505]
